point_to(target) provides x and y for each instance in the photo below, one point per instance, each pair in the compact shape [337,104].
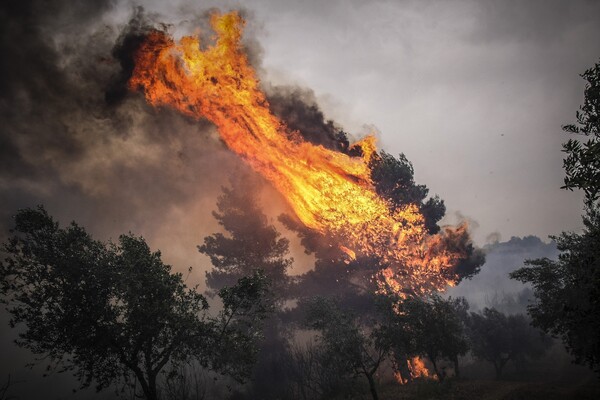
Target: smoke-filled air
[298,200]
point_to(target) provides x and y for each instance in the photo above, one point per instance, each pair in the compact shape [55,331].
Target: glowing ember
[329,191]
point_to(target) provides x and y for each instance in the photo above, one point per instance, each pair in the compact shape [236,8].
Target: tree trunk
[401,365]
[372,386]
[435,368]
[498,368]
[456,369]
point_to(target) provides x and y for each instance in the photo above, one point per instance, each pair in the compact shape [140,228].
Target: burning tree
[371,227]
[330,192]
[115,312]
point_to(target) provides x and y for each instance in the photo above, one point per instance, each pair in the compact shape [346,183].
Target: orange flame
[418,369]
[329,191]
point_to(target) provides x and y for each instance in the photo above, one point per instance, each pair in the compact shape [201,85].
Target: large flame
[329,191]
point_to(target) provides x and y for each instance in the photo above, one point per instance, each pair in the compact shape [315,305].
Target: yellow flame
[329,191]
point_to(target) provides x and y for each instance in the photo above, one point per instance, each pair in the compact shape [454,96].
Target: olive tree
[114,312]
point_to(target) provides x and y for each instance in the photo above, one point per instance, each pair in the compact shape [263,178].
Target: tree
[582,164]
[110,312]
[567,291]
[250,242]
[393,179]
[498,338]
[432,327]
[344,343]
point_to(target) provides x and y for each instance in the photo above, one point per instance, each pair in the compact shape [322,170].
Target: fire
[329,191]
[417,368]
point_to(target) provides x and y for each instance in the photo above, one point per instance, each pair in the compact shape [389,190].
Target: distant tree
[344,343]
[567,291]
[432,327]
[108,312]
[249,243]
[498,338]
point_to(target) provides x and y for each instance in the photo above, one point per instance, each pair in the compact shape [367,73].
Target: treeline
[116,316]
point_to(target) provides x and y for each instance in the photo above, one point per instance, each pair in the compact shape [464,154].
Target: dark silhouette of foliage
[433,327]
[567,291]
[498,338]
[249,243]
[344,343]
[394,180]
[110,312]
[582,164]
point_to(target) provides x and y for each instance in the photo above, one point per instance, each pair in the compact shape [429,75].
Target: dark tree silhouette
[567,291]
[394,180]
[582,164]
[433,327]
[498,338]
[113,312]
[344,343]
[249,243]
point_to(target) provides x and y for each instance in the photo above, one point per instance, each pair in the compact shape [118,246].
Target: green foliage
[498,338]
[582,164]
[109,311]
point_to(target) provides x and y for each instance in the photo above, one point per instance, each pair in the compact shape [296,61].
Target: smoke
[72,137]
[298,108]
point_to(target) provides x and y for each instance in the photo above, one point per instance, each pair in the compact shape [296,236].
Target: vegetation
[433,328]
[498,338]
[249,244]
[567,291]
[115,313]
[344,344]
